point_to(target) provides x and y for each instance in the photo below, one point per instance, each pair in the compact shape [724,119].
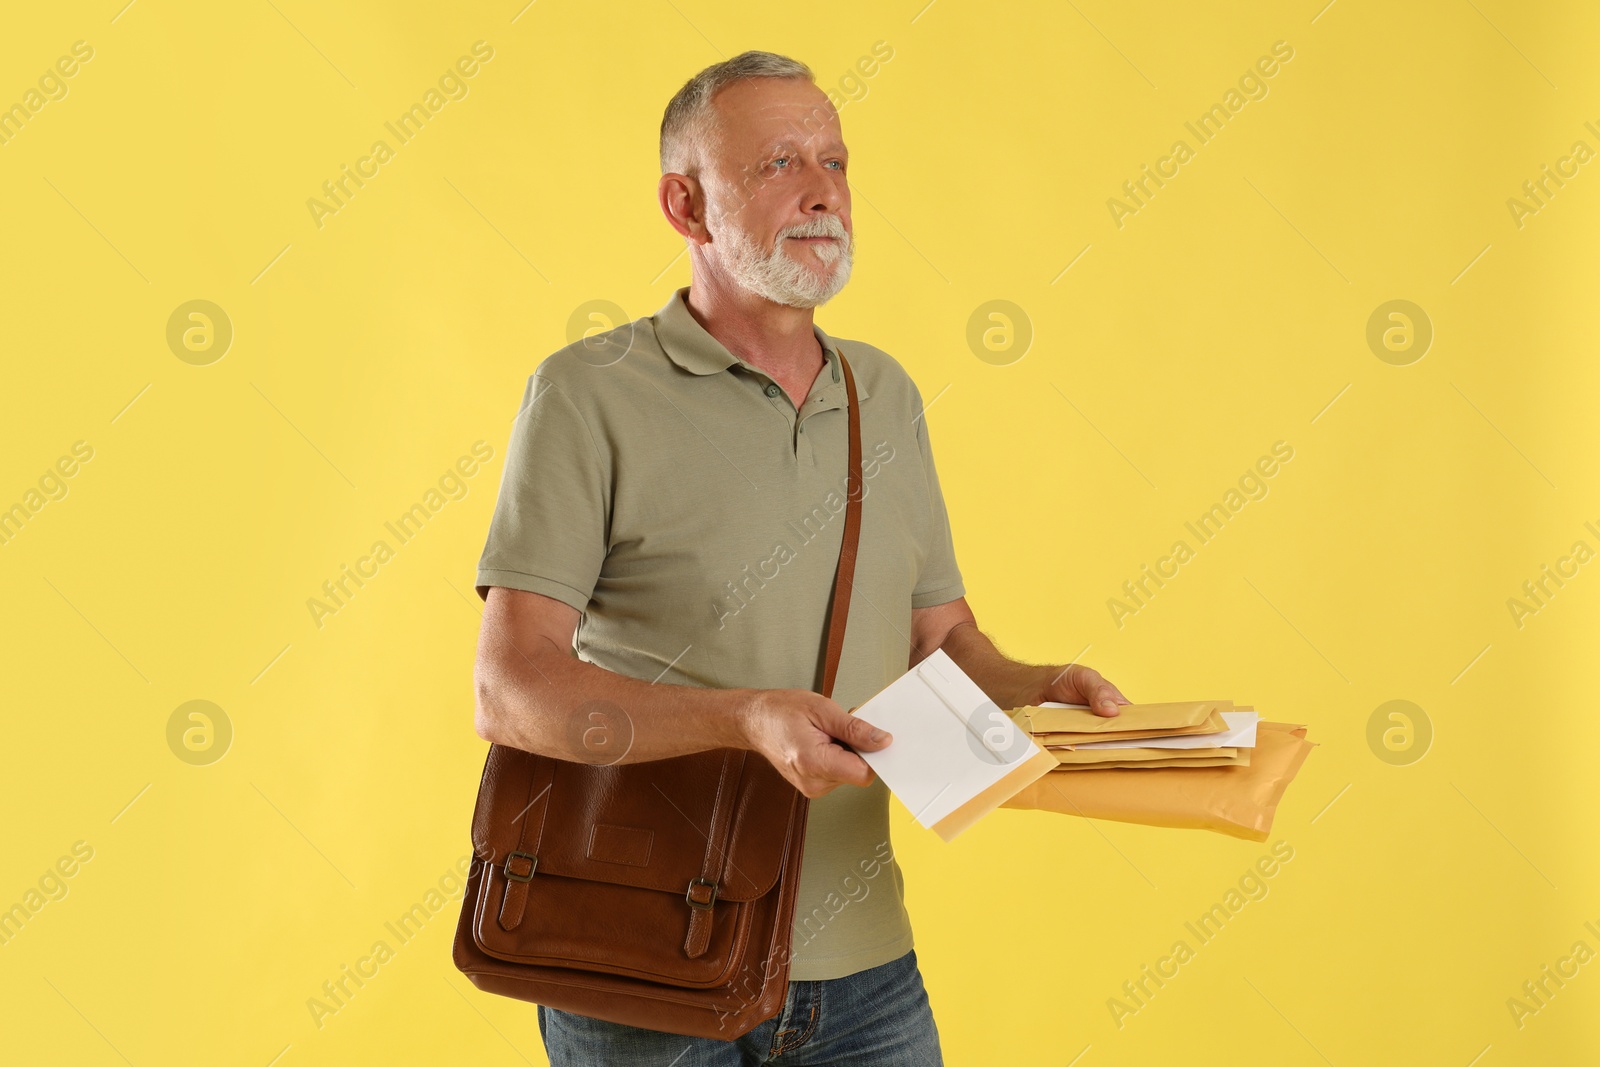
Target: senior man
[670,511]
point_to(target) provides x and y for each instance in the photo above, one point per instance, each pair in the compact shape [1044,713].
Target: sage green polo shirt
[672,493]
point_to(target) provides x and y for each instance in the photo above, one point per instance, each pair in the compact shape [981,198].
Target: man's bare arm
[531,691]
[534,694]
[1008,682]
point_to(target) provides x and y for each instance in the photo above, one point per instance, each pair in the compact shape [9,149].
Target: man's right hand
[795,730]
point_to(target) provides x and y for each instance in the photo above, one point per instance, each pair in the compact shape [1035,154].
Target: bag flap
[638,824]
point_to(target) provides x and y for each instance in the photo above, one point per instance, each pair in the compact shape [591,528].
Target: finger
[857,733]
[860,772]
[838,765]
[1101,695]
[1084,685]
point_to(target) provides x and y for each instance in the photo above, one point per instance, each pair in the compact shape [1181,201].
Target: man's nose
[826,195]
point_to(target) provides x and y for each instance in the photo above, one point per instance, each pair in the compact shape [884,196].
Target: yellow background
[1229,313]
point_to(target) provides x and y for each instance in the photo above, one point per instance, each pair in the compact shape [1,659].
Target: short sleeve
[940,579]
[549,530]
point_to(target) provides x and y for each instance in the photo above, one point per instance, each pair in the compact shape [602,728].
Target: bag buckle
[533,865]
[689,894]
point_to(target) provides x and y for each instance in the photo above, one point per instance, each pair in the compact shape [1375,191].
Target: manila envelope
[1090,756]
[1241,758]
[1069,726]
[1239,801]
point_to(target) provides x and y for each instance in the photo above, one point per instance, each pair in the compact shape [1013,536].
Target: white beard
[783,275]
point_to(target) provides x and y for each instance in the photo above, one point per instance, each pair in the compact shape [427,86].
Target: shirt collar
[687,344]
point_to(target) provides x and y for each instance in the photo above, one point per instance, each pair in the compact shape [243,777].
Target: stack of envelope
[1195,733]
[1203,765]
[957,756]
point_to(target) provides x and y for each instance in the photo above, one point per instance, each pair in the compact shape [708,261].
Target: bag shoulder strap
[844,580]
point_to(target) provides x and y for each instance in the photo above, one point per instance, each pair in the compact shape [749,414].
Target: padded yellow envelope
[1241,758]
[1089,756]
[1070,726]
[1239,801]
[1131,717]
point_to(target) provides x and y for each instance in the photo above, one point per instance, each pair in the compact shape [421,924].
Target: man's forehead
[824,140]
[758,116]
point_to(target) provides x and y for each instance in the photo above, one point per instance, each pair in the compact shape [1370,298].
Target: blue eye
[788,159]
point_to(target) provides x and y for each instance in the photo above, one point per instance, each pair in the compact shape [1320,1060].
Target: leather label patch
[621,844]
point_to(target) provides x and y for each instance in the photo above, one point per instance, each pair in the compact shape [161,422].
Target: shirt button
[772,390]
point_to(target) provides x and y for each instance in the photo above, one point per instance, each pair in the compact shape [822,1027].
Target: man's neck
[774,337]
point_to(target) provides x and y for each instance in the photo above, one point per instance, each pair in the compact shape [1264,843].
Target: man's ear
[683,202]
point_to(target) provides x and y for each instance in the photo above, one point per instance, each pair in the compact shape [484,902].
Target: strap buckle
[533,865]
[689,894]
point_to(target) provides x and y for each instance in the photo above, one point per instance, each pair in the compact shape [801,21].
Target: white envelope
[955,756]
[1241,733]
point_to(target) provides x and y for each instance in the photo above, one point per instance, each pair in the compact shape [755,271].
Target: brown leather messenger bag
[658,894]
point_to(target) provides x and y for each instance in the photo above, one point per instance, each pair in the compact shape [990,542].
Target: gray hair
[686,123]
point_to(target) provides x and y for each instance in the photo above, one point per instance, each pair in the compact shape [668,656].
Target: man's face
[777,200]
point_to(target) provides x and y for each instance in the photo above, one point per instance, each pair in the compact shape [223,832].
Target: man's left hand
[1078,684]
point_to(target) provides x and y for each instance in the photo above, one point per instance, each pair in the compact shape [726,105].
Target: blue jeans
[878,1017]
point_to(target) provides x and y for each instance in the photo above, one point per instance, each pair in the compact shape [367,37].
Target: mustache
[823,226]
